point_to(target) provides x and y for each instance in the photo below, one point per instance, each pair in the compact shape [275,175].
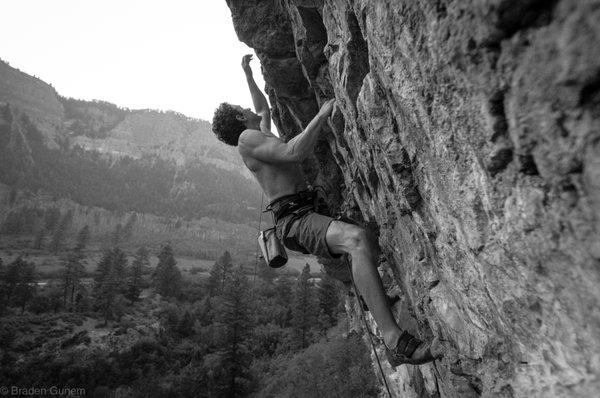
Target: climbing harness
[297,204]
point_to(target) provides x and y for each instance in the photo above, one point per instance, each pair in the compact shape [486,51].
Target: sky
[179,55]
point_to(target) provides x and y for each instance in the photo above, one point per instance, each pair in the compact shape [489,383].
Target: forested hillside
[161,174]
[137,331]
[149,184]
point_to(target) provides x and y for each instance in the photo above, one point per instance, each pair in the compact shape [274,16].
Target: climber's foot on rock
[412,351]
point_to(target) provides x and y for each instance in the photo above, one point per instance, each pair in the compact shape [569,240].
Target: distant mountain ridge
[98,154]
[116,131]
[34,97]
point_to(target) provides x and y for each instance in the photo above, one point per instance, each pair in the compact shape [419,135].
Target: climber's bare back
[277,179]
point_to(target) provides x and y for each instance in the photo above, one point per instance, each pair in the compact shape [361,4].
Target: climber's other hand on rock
[246,63]
[327,107]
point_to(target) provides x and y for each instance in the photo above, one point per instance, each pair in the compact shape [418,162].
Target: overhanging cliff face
[468,132]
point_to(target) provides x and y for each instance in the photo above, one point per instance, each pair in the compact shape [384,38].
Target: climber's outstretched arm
[271,149]
[261,106]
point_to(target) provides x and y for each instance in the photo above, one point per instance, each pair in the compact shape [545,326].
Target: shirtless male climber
[275,164]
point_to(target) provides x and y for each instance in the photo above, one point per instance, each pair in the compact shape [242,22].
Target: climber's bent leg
[346,238]
[328,238]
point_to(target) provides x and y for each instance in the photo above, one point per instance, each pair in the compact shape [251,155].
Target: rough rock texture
[467,133]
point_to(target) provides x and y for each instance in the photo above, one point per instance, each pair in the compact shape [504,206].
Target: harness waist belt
[288,204]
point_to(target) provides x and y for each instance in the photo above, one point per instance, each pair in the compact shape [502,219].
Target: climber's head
[230,121]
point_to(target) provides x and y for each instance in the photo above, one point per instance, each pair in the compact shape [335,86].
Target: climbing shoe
[409,350]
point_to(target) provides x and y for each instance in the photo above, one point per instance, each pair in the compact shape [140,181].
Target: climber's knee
[356,239]
[346,238]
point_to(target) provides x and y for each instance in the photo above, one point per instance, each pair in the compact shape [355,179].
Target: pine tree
[17,283]
[108,283]
[235,316]
[185,325]
[219,274]
[118,307]
[134,280]
[266,273]
[214,280]
[339,366]
[204,312]
[74,266]
[73,270]
[10,279]
[103,268]
[329,303]
[167,277]
[284,296]
[26,285]
[303,310]
[104,293]
[119,269]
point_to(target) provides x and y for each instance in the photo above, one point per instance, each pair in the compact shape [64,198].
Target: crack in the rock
[516,15]
[358,63]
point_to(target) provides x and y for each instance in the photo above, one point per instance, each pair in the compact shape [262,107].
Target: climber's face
[248,117]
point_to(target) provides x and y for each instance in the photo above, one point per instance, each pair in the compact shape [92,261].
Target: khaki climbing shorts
[306,233]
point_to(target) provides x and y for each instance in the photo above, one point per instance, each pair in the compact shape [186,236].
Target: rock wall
[467,133]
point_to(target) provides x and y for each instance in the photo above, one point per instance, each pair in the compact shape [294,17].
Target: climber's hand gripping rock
[246,64]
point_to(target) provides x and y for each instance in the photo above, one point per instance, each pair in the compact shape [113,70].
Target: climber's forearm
[258,99]
[273,150]
[302,145]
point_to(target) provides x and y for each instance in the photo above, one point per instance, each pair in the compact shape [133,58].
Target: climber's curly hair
[225,124]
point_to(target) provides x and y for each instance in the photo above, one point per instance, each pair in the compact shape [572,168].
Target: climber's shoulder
[249,140]
[260,145]
[250,137]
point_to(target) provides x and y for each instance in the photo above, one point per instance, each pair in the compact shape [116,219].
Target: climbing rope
[364,317]
[350,191]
